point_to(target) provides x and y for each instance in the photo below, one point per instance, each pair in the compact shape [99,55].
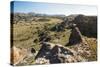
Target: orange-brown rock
[17,55]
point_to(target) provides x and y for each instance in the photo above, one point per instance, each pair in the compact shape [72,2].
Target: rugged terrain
[39,38]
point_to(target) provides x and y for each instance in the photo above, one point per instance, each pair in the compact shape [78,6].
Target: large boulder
[75,36]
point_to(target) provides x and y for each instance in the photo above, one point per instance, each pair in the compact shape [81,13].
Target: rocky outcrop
[75,36]
[61,26]
[55,53]
[44,37]
[86,24]
[17,55]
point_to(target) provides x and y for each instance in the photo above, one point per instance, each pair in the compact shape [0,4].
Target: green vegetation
[26,35]
[29,31]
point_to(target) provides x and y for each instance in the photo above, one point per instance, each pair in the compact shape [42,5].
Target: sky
[52,8]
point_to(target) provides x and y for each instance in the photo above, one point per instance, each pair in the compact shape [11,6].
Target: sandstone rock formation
[17,55]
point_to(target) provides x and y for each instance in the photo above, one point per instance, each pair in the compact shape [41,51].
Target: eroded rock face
[17,55]
[56,53]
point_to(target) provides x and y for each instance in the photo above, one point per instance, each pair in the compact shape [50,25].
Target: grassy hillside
[29,33]
[25,34]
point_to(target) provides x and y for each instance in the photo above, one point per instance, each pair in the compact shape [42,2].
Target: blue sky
[52,8]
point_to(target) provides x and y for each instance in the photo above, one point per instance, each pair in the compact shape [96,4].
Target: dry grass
[25,33]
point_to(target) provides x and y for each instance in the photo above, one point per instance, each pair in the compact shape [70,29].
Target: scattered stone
[33,50]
